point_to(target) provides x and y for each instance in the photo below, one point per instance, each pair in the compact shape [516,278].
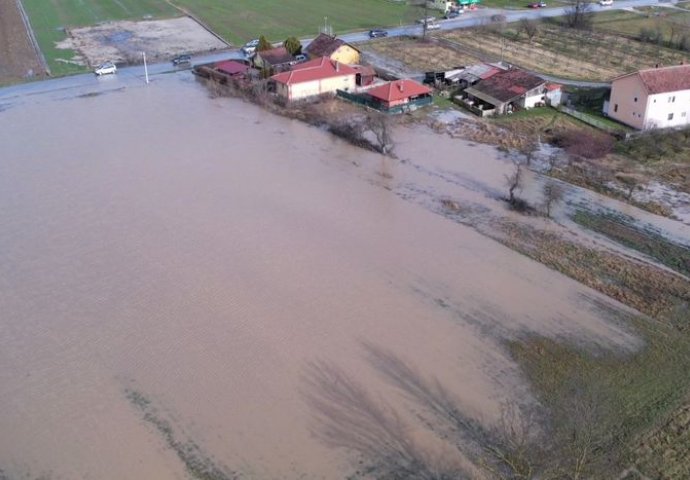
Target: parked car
[105,69]
[537,5]
[182,60]
[377,33]
[249,48]
[452,14]
[301,58]
[432,26]
[426,20]
[605,3]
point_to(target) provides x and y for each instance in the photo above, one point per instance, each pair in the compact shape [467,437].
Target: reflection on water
[205,252]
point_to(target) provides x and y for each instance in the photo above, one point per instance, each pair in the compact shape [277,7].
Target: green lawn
[630,23]
[235,20]
[50,17]
[240,20]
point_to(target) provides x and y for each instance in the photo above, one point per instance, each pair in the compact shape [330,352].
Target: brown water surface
[204,252]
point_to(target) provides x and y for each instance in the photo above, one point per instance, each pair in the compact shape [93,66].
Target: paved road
[135,75]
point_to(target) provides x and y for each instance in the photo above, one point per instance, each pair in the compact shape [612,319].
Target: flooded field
[171,260]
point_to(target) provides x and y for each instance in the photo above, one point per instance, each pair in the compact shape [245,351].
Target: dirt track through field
[18,59]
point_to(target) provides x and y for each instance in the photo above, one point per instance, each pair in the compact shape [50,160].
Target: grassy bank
[623,231]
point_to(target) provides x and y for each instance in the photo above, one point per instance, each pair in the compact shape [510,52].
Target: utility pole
[146,70]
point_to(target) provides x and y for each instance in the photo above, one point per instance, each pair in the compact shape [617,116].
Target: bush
[589,145]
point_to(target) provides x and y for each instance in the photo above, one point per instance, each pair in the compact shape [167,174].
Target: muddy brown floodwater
[204,252]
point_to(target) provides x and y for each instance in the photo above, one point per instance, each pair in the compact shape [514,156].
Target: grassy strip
[199,465]
[625,396]
[646,241]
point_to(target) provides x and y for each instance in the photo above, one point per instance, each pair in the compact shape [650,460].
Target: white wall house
[321,76]
[652,98]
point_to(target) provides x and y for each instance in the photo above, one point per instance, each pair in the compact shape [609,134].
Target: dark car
[377,33]
[182,60]
[452,14]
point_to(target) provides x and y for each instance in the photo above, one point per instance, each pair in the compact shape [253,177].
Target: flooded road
[205,253]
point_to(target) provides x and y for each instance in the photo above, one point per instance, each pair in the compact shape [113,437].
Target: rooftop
[666,79]
[276,56]
[398,90]
[316,69]
[324,46]
[509,84]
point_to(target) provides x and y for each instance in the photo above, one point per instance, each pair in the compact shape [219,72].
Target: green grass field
[49,18]
[237,21]
[241,20]
[629,23]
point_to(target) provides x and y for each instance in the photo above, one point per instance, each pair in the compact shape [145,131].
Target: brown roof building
[506,91]
[275,59]
[333,48]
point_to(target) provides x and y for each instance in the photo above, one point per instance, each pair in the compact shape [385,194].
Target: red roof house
[316,77]
[399,92]
[652,98]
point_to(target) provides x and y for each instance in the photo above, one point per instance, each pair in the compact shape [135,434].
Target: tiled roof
[316,69]
[231,67]
[276,56]
[507,85]
[324,46]
[666,79]
[398,90]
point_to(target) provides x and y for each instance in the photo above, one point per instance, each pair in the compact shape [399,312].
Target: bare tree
[631,181]
[530,27]
[514,181]
[553,194]
[379,125]
[577,15]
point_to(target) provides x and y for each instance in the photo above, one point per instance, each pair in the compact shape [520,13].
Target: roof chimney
[401,85]
[656,66]
[337,66]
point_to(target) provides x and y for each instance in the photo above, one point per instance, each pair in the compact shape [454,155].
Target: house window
[671,99]
[682,114]
[635,99]
[670,116]
[615,107]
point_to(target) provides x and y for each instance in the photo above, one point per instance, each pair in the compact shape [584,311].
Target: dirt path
[18,58]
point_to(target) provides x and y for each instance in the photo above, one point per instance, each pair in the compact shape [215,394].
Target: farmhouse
[275,59]
[505,92]
[653,98]
[333,48]
[316,77]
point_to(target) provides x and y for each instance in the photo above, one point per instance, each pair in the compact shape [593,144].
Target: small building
[473,74]
[365,75]
[554,94]
[275,60]
[334,48]
[652,98]
[232,68]
[321,76]
[505,92]
[400,95]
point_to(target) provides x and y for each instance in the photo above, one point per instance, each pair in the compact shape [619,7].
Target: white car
[249,48]
[605,3]
[433,26]
[105,69]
